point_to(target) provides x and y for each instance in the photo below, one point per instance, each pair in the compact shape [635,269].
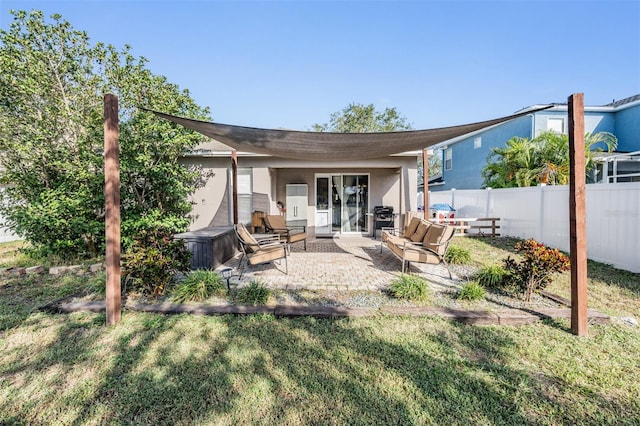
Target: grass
[410,287]
[490,276]
[610,290]
[184,369]
[458,255]
[197,286]
[471,291]
[254,294]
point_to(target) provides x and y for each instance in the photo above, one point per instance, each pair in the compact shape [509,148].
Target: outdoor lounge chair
[421,241]
[292,234]
[263,251]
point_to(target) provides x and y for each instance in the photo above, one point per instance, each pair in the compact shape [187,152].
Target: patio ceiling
[330,146]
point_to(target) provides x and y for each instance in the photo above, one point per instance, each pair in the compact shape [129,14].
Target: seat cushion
[267,254]
[275,222]
[418,254]
[394,240]
[294,238]
[421,230]
[246,236]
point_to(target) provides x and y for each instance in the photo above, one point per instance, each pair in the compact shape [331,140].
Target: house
[330,182]
[328,196]
[464,157]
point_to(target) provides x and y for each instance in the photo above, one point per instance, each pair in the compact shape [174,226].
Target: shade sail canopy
[329,146]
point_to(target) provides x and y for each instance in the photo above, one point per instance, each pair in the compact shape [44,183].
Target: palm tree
[512,165]
[543,159]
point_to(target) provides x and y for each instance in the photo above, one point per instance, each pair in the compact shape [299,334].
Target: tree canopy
[435,166]
[543,159]
[359,118]
[52,82]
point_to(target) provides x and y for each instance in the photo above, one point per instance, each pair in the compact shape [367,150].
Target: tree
[543,159]
[435,166]
[52,80]
[358,118]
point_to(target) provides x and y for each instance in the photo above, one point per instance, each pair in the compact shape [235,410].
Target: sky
[287,64]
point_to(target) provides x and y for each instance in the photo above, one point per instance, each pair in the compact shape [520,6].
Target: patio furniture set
[420,241]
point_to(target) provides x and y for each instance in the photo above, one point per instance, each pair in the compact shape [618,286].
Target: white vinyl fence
[542,213]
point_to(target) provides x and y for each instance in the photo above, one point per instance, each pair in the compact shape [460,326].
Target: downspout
[533,126]
[425,182]
[234,179]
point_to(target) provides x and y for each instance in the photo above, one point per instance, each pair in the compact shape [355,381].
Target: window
[477,142]
[448,159]
[245,194]
[555,125]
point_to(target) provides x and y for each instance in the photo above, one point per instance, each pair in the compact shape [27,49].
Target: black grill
[383,217]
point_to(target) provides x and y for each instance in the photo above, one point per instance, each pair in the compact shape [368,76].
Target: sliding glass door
[342,204]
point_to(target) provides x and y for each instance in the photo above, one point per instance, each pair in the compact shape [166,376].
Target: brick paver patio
[344,263]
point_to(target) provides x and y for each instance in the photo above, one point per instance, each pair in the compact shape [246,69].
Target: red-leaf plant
[536,270]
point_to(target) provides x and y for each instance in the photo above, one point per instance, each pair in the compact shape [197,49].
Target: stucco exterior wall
[392,181]
[210,202]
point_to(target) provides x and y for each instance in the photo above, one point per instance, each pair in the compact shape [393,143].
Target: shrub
[153,259]
[490,276]
[254,294]
[536,270]
[198,286]
[409,287]
[471,290]
[457,255]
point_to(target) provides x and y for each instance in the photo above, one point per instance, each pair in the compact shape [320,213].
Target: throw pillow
[433,236]
[412,226]
[420,232]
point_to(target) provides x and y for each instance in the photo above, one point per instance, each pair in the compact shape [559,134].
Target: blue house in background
[464,158]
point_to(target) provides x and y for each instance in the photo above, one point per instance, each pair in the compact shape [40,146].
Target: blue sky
[284,64]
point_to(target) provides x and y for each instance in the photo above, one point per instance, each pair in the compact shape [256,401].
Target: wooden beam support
[234,182]
[425,180]
[112,208]
[577,215]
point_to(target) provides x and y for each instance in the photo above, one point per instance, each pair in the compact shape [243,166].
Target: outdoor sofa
[419,241]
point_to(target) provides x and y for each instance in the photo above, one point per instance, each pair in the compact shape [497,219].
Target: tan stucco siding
[210,202]
[392,182]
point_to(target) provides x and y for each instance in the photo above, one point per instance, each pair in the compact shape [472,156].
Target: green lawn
[157,369]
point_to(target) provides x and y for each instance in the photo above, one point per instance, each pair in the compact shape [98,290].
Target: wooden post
[112,207]
[425,180]
[234,182]
[577,215]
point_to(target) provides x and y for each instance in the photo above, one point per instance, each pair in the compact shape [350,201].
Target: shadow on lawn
[259,369]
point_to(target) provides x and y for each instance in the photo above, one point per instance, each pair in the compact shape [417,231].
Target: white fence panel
[542,213]
[554,223]
[6,235]
[518,210]
[613,224]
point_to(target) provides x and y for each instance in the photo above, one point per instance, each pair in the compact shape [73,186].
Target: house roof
[624,101]
[610,107]
[329,146]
